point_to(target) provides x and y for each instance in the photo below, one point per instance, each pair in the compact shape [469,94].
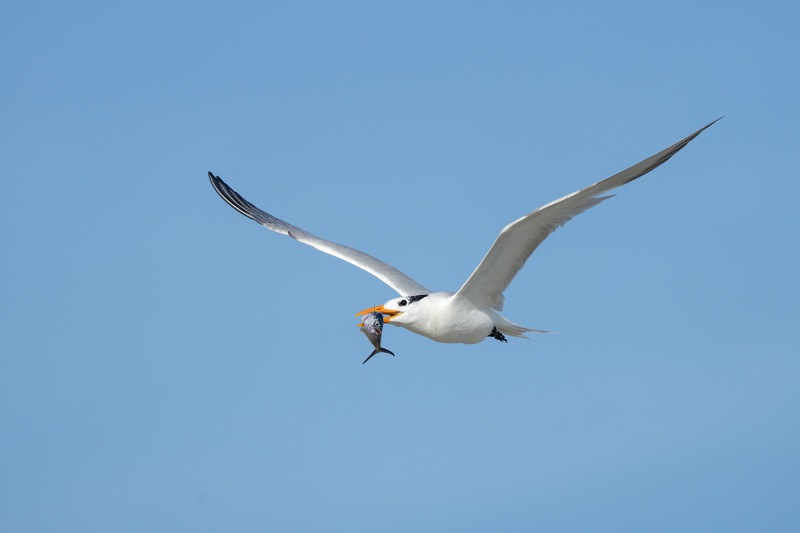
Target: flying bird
[472,313]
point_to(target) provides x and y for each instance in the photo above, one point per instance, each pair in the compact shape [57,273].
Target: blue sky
[168,365]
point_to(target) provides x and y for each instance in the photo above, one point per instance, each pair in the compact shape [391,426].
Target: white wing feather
[404,285]
[518,240]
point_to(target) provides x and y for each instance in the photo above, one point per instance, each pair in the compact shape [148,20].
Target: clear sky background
[168,365]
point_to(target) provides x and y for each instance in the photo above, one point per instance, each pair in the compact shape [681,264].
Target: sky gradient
[168,365]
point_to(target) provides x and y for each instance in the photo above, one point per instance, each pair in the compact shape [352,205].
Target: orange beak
[380,309]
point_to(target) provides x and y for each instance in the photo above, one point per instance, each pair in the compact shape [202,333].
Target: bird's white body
[470,314]
[434,319]
[451,318]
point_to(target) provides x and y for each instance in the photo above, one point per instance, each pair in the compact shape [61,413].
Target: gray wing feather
[404,285]
[518,240]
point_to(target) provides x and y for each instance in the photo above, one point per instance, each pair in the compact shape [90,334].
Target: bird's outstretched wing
[395,279]
[518,240]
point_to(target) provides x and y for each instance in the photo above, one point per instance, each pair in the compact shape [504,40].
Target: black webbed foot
[497,335]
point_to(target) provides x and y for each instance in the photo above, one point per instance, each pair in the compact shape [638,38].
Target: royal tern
[470,314]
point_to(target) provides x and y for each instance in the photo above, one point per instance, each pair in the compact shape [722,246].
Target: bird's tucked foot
[497,335]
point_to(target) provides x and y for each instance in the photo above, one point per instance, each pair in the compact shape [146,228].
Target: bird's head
[399,311]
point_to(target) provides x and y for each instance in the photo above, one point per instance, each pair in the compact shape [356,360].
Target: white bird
[470,314]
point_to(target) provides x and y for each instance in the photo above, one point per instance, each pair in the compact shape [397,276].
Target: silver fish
[372,327]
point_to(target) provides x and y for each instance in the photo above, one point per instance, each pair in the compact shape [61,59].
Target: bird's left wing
[519,239]
[404,285]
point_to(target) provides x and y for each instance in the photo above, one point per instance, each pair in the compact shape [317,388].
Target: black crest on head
[411,300]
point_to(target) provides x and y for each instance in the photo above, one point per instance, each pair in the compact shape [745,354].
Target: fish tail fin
[376,351]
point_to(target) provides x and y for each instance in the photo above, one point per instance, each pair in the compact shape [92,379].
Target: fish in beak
[372,327]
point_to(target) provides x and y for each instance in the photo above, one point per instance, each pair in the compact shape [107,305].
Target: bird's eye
[402,303]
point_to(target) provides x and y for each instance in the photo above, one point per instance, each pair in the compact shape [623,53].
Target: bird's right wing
[519,239]
[395,279]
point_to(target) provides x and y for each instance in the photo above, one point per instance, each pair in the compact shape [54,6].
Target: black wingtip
[712,123]
[691,137]
[222,189]
[215,181]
